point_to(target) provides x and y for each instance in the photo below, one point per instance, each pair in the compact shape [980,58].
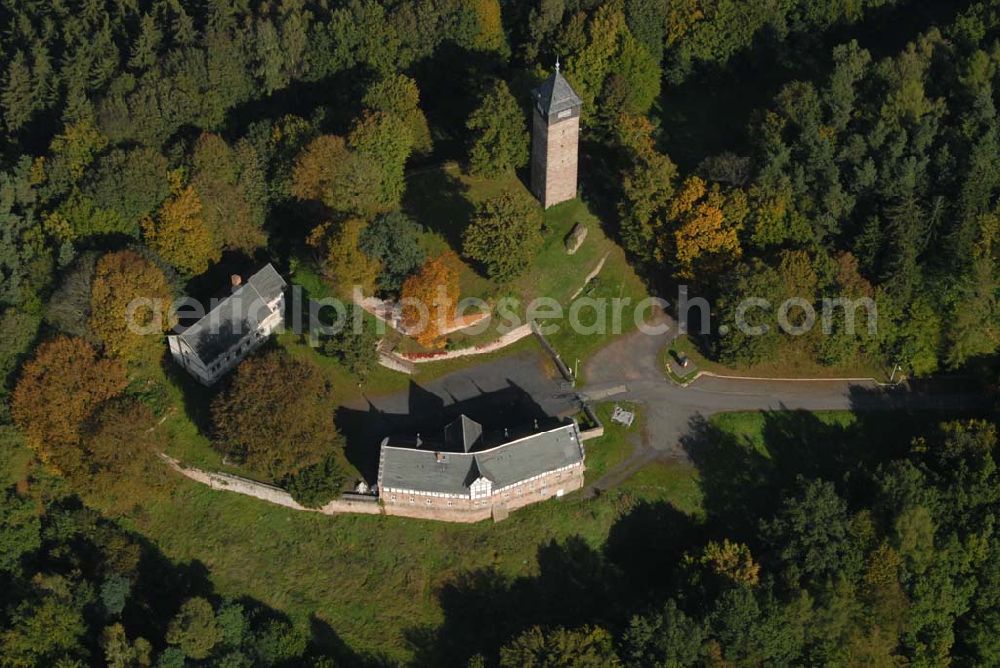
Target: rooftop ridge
[570,425]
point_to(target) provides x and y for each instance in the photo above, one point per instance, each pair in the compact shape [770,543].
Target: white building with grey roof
[234,327]
[464,479]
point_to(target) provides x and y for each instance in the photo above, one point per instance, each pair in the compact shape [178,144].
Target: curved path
[629,369]
[516,388]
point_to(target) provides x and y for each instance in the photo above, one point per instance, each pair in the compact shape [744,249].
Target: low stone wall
[396,363]
[596,431]
[369,505]
[503,341]
[590,277]
[232,483]
[563,369]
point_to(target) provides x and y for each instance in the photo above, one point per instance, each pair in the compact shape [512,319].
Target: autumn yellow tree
[75,149]
[121,468]
[57,392]
[490,35]
[706,224]
[328,171]
[429,298]
[732,561]
[231,213]
[344,263]
[129,302]
[179,234]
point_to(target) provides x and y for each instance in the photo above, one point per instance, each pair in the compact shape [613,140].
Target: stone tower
[555,139]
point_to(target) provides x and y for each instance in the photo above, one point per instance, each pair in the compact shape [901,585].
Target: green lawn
[676,483]
[444,201]
[373,580]
[793,362]
[607,452]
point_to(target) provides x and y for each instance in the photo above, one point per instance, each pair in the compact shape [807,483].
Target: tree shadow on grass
[161,585]
[327,642]
[737,481]
[744,480]
[575,584]
[742,483]
[646,544]
[484,609]
[437,199]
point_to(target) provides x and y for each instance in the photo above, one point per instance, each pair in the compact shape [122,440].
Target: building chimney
[237,281]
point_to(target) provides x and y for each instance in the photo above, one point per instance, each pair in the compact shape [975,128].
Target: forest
[152,147]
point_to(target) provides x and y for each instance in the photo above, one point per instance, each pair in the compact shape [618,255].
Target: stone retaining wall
[369,505]
[232,483]
[503,341]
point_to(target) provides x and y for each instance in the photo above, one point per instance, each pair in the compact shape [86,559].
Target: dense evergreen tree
[394,240]
[504,235]
[500,139]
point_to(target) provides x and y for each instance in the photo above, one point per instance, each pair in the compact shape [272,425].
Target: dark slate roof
[555,95]
[453,472]
[463,433]
[235,316]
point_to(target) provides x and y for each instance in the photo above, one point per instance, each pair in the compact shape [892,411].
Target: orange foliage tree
[57,392]
[121,443]
[120,278]
[429,298]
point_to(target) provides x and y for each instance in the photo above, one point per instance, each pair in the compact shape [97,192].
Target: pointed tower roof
[555,94]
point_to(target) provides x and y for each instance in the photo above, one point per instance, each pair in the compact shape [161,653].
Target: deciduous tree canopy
[273,431]
[58,391]
[129,306]
[429,298]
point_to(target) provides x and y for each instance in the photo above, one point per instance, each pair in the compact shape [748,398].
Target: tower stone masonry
[555,140]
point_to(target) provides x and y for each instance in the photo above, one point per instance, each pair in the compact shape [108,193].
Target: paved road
[516,382]
[634,361]
[513,391]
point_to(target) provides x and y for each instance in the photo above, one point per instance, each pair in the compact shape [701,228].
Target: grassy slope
[793,362]
[444,201]
[372,579]
[369,578]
